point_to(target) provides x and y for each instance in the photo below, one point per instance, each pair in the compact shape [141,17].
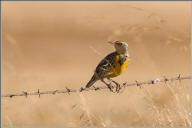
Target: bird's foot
[118,86]
[110,87]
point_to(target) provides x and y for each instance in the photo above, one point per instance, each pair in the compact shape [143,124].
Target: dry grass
[153,105]
[173,112]
[51,45]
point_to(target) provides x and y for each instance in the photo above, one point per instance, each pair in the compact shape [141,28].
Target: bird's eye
[119,43]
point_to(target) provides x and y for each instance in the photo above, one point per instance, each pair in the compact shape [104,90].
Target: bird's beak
[111,42]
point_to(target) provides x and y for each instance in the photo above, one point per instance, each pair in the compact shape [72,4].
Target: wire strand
[125,84]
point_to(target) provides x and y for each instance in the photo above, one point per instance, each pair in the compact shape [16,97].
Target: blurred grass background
[51,45]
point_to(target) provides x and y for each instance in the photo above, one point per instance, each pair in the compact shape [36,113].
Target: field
[53,45]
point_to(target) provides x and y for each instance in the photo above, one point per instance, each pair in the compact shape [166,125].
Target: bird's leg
[108,85]
[118,86]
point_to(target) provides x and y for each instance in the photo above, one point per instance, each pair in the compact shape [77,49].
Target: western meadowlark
[112,65]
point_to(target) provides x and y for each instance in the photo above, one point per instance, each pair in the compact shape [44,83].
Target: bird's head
[121,47]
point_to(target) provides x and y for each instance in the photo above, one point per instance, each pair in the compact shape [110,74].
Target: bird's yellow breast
[119,66]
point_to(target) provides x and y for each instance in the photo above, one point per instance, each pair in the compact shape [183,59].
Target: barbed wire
[124,85]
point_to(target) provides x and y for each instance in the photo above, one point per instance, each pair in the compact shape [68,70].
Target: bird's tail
[92,81]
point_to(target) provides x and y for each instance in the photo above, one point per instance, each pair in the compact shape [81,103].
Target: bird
[114,64]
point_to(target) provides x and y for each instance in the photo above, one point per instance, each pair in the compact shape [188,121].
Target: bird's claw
[110,87]
[118,87]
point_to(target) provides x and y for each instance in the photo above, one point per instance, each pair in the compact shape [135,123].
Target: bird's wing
[106,64]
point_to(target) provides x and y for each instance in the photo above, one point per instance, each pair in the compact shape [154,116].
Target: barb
[125,84]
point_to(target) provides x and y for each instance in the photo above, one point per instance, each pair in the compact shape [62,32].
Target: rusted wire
[125,84]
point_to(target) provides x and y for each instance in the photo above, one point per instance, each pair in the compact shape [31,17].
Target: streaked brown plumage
[112,65]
